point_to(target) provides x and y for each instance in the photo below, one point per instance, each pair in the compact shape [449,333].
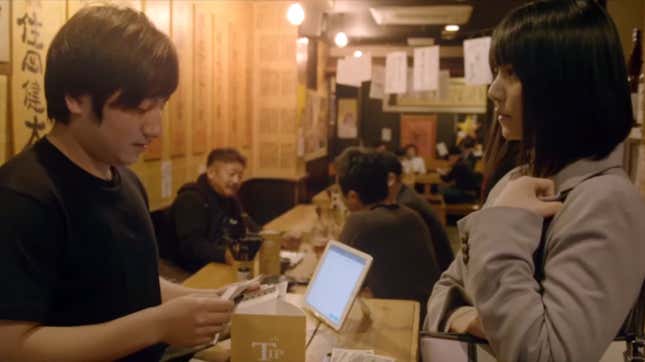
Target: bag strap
[538,255]
[633,329]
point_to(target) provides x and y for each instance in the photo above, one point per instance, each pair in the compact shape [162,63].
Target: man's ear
[353,198]
[75,104]
[210,172]
[391,179]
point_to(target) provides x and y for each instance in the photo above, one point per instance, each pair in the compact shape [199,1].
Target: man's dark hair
[467,142]
[105,49]
[342,161]
[454,151]
[569,59]
[365,174]
[225,155]
[378,144]
[392,163]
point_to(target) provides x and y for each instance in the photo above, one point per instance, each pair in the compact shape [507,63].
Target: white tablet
[335,283]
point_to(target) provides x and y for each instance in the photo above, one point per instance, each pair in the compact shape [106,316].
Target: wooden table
[391,330]
[301,218]
[427,180]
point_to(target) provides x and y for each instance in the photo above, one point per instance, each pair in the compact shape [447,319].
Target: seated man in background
[207,211]
[465,181]
[406,196]
[404,265]
[380,146]
[412,162]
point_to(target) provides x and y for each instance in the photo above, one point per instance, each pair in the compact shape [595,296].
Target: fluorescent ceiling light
[422,15]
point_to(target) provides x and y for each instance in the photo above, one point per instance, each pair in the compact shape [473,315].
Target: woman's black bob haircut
[576,102]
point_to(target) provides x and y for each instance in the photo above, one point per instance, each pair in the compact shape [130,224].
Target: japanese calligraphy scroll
[35,22]
[4,30]
[202,105]
[158,11]
[180,102]
[3,119]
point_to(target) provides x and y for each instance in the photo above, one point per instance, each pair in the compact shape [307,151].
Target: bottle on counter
[270,252]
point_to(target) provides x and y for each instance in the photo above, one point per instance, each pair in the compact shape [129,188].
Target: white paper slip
[236,289]
[350,355]
[377,358]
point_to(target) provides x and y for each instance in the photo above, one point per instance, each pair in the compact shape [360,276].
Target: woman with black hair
[500,156]
[552,264]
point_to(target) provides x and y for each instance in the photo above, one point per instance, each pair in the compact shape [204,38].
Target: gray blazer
[594,265]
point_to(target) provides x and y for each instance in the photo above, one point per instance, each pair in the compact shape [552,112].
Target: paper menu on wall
[476,66]
[347,74]
[396,73]
[377,87]
[363,67]
[426,68]
[386,134]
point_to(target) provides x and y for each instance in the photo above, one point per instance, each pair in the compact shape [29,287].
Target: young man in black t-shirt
[78,258]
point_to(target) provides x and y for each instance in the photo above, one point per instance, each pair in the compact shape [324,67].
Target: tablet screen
[338,278]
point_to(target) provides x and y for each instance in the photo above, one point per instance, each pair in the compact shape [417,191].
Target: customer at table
[463,182]
[406,196]
[553,263]
[412,162]
[77,247]
[207,211]
[404,265]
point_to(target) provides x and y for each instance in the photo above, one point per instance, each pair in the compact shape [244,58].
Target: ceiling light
[452,27]
[341,39]
[422,15]
[358,54]
[296,14]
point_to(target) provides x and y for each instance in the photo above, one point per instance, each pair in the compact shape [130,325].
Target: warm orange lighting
[296,14]
[341,40]
[452,28]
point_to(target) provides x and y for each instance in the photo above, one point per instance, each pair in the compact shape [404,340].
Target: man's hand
[193,320]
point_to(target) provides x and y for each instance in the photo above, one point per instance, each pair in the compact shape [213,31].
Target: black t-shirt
[75,249]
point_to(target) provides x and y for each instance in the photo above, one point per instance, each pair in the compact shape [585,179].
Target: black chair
[264,199]
[167,246]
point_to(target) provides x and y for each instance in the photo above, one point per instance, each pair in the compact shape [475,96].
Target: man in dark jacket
[465,181]
[404,265]
[404,195]
[206,211]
